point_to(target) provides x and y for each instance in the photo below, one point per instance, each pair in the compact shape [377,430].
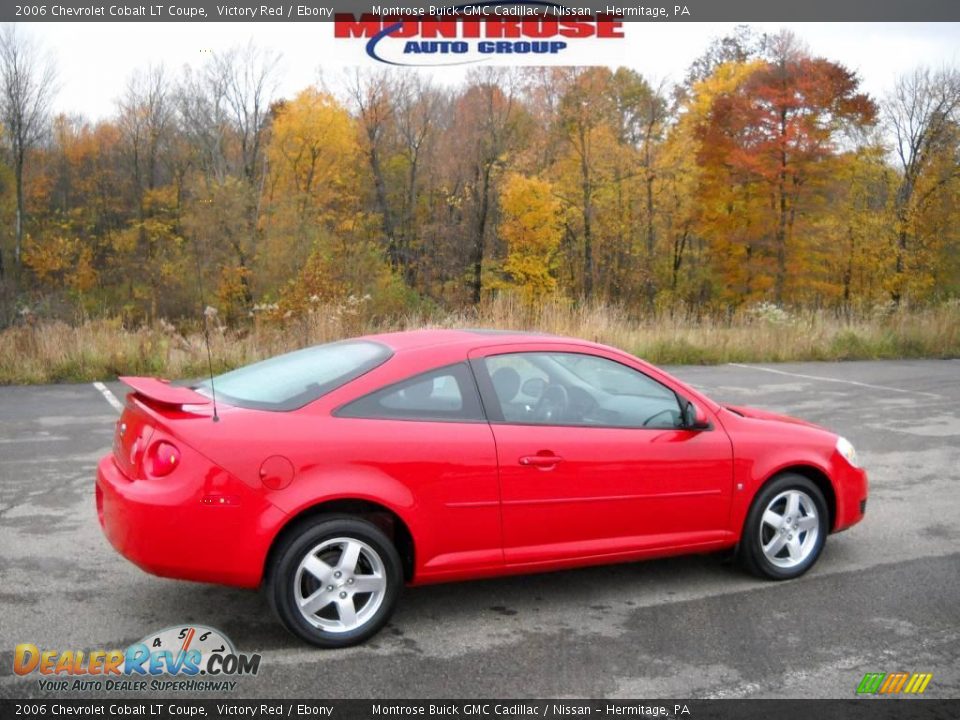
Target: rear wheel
[335,582]
[785,528]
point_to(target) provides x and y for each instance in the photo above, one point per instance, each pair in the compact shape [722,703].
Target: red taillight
[162,459]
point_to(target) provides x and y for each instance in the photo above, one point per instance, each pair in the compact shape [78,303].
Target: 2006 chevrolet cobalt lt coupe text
[334,475]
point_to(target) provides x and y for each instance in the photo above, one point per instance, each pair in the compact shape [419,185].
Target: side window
[448,393]
[579,389]
[518,382]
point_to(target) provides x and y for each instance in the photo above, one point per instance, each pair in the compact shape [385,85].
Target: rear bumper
[170,527]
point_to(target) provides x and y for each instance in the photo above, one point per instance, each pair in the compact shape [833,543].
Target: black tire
[285,580]
[755,533]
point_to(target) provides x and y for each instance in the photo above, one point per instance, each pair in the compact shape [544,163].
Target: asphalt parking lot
[885,596]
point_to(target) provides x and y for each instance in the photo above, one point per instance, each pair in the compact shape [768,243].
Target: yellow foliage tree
[313,156]
[312,184]
[531,228]
[61,261]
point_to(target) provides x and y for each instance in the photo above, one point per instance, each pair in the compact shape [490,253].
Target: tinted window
[290,381]
[448,393]
[579,389]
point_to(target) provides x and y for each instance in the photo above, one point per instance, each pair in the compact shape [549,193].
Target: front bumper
[852,489]
[171,528]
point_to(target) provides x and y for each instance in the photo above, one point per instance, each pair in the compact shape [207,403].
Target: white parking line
[109,396]
[821,378]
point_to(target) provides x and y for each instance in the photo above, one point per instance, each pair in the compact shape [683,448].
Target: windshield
[290,381]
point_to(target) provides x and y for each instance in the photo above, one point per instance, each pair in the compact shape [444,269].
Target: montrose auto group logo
[187,658]
[467,34]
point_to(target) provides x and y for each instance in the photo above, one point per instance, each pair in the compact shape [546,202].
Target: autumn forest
[767,177]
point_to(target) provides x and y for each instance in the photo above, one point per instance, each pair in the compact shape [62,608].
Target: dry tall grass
[103,349]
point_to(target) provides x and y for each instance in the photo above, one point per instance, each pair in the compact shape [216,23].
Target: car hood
[756,414]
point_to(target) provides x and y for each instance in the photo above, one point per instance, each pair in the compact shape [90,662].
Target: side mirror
[694,418]
[533,387]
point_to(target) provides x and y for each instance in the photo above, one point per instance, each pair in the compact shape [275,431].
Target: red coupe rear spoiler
[163,392]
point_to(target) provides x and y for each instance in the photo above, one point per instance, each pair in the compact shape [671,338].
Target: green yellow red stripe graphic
[894,683]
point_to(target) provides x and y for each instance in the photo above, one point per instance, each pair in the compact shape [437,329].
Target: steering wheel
[553,404]
[654,416]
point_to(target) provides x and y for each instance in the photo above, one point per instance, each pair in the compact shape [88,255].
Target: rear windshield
[290,381]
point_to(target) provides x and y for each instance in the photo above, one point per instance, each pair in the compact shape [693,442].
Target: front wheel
[335,582]
[785,528]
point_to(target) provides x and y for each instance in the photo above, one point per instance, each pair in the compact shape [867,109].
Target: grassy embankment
[103,349]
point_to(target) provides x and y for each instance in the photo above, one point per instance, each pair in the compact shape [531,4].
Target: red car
[334,475]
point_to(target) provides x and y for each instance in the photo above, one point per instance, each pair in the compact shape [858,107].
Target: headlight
[845,448]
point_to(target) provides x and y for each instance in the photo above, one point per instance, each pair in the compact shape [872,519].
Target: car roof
[472,337]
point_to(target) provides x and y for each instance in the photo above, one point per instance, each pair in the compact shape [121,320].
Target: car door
[428,433]
[593,459]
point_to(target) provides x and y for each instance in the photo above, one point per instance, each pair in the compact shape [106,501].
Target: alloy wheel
[340,584]
[789,529]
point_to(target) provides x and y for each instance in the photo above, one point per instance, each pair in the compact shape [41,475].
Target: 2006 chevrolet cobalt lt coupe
[334,475]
